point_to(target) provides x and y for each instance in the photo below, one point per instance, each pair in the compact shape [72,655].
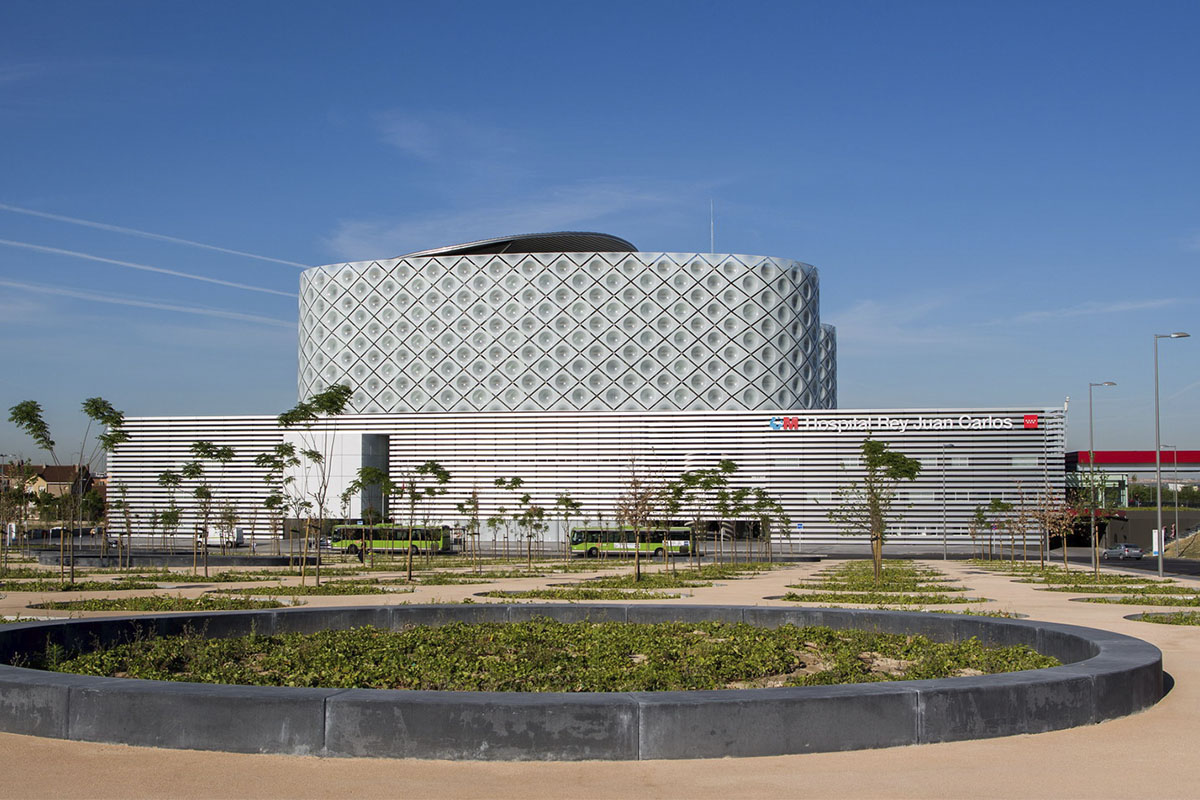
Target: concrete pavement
[1156,747]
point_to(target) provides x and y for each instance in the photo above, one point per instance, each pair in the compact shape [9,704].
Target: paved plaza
[1155,748]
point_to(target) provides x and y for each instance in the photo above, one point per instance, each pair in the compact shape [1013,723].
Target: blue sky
[1001,198]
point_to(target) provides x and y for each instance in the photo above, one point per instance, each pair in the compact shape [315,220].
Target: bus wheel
[352,549]
[658,553]
[412,548]
[592,552]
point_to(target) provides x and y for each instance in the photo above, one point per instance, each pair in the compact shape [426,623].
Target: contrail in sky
[43,249]
[127,301]
[145,234]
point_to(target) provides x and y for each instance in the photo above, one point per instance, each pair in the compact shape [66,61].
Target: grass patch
[886,586]
[901,581]
[77,586]
[1145,600]
[158,602]
[1074,578]
[578,593]
[1084,588]
[29,572]
[225,576]
[879,598]
[332,588]
[544,655]
[459,578]
[654,580]
[1174,618]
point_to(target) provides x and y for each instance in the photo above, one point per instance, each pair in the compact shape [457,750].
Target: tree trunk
[637,555]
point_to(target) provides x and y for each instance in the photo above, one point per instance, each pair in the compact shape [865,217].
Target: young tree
[768,512]
[999,519]
[311,417]
[866,505]
[371,476]
[469,508]
[15,498]
[170,481]
[494,523]
[423,483]
[226,515]
[533,522]
[636,507]
[284,494]
[693,494]
[566,508]
[977,525]
[1056,518]
[121,503]
[27,416]
[522,499]
[202,493]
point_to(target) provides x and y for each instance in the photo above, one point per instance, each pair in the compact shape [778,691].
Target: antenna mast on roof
[712,228]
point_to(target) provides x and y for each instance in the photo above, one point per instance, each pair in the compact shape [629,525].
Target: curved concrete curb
[1105,675]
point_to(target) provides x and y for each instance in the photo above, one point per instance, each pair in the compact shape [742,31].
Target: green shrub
[578,593]
[544,655]
[158,602]
[330,588]
[1176,618]
[1145,600]
[879,598]
[77,586]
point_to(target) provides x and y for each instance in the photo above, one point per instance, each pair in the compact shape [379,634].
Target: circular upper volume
[560,242]
[461,329]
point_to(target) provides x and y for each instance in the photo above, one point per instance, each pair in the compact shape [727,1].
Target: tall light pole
[945,555]
[1158,442]
[1092,474]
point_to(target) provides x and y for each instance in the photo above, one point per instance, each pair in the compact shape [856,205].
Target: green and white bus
[656,542]
[389,537]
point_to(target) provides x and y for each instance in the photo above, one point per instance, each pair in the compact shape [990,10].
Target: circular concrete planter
[1105,675]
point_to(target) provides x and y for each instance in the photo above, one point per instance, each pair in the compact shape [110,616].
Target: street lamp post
[1158,444]
[945,554]
[1092,475]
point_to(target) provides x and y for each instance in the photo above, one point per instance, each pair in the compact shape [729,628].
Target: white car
[1122,551]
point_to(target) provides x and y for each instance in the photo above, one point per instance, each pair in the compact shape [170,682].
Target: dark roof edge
[554,242]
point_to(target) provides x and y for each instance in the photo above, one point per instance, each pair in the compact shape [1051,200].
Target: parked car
[1123,550]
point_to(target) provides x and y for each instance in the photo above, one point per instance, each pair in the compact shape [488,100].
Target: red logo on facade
[1031,421]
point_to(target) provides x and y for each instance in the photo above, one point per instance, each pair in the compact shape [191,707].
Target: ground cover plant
[1123,589]
[880,598]
[160,602]
[650,580]
[78,586]
[1175,618]
[854,580]
[28,572]
[578,593]
[1079,578]
[545,655]
[329,588]
[886,586]
[457,578]
[1145,600]
[225,576]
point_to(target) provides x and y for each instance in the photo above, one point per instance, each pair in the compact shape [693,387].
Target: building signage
[884,424]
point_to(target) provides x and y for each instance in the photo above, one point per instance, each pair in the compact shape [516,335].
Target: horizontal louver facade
[803,457]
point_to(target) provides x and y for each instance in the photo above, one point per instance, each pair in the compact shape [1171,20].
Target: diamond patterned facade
[568,331]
